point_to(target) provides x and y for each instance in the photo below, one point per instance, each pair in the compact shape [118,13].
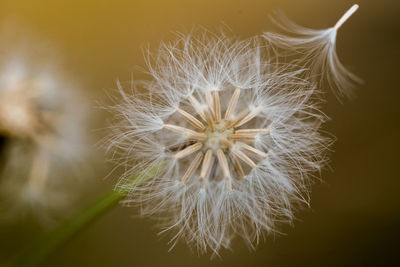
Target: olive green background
[354,217]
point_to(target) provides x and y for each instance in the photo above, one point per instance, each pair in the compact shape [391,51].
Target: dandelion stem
[42,250]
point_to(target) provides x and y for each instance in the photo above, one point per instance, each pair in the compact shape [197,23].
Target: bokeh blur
[354,217]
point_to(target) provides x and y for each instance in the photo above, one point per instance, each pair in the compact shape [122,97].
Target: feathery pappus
[316,50]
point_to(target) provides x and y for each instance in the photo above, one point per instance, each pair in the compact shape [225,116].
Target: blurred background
[355,214]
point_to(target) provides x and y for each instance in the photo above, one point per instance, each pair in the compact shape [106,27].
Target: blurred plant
[41,121]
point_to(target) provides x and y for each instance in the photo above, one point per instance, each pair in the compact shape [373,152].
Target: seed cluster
[217,140]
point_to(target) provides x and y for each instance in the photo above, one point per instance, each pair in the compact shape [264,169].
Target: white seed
[232,104]
[189,150]
[186,132]
[197,106]
[252,150]
[192,167]
[233,123]
[242,137]
[243,157]
[253,131]
[248,117]
[210,101]
[192,120]
[217,106]
[238,166]
[209,119]
[223,163]
[207,164]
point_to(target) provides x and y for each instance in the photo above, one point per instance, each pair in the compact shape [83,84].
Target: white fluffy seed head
[236,132]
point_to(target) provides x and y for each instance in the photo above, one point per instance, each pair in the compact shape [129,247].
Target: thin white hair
[316,50]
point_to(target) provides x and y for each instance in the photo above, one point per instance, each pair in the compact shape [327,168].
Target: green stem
[57,238]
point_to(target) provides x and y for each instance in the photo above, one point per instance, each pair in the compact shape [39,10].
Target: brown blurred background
[355,215]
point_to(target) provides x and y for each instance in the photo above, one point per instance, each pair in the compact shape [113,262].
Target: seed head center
[217,141]
[217,138]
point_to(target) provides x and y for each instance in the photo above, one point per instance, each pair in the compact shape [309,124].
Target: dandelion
[317,51]
[236,133]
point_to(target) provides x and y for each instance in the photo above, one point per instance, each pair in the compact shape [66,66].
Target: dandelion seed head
[237,134]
